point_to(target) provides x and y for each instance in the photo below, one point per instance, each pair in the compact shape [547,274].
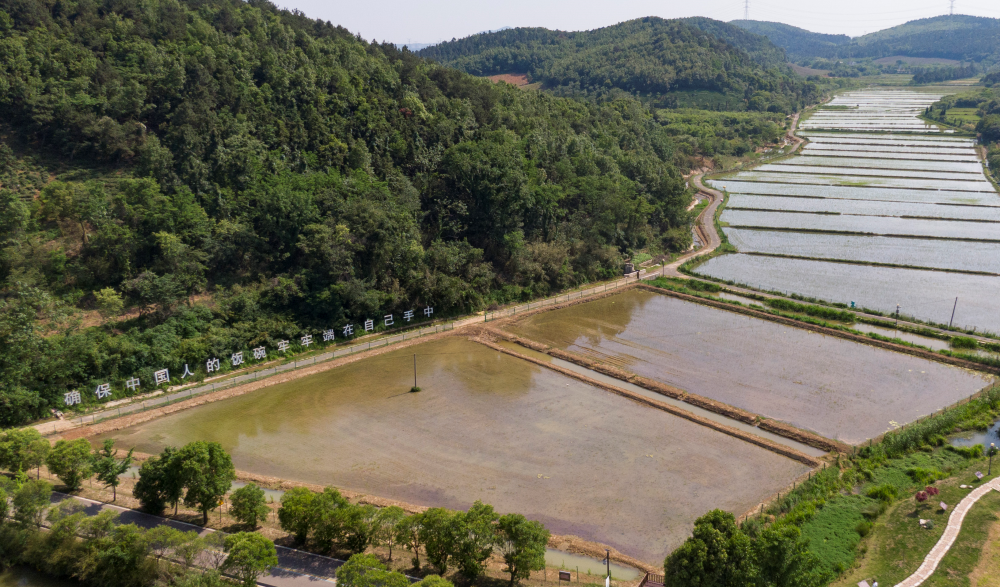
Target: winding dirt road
[705,223]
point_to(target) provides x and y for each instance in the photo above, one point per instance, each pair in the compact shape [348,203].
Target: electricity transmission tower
[746,8]
[951,9]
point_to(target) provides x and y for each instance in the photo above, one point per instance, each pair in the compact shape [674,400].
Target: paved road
[295,567]
[944,543]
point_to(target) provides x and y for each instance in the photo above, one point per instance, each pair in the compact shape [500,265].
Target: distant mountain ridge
[672,62]
[797,42]
[958,37]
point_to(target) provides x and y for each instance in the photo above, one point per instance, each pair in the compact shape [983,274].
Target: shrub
[817,311]
[863,528]
[963,342]
[970,452]
[885,493]
[874,510]
[922,476]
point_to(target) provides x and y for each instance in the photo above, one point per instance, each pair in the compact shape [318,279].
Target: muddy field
[836,388]
[487,426]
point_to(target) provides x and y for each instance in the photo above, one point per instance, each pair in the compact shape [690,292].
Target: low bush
[816,311]
[963,342]
[923,476]
[885,492]
[970,452]
[863,528]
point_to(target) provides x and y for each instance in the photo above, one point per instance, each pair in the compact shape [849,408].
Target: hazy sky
[424,21]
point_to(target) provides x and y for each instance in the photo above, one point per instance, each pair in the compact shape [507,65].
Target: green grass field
[897,544]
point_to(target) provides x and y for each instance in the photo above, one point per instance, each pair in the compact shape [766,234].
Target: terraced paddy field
[860,180]
[492,427]
[923,294]
[834,387]
[915,200]
[911,252]
[896,165]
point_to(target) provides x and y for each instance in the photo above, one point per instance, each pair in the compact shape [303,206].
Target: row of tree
[99,551]
[71,461]
[201,473]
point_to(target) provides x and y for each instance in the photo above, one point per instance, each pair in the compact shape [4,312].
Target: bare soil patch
[915,60]
[515,79]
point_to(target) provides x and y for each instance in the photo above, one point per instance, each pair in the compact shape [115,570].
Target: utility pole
[953,309]
[746,8]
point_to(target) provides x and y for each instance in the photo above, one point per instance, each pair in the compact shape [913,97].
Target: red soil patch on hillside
[807,71]
[517,79]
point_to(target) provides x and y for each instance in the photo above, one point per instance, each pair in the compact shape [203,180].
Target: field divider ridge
[740,415]
[761,442]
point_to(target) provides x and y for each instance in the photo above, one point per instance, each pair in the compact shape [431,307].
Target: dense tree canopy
[303,177]
[659,60]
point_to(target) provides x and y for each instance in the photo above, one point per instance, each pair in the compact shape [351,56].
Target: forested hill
[798,43]
[303,178]
[663,61]
[965,38]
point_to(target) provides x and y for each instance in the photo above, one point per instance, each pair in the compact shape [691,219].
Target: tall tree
[207,472]
[249,555]
[247,505]
[109,468]
[522,544]
[475,537]
[70,460]
[161,482]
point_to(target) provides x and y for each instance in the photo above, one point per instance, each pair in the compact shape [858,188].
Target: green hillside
[668,62]
[237,175]
[798,43]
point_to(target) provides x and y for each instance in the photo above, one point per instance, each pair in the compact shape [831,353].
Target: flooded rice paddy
[492,427]
[853,223]
[865,181]
[859,193]
[862,207]
[911,252]
[916,199]
[923,294]
[837,388]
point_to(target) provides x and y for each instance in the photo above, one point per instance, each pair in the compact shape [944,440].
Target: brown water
[25,577]
[492,427]
[834,387]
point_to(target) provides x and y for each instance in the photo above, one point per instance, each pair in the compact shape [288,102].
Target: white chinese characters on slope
[212,365]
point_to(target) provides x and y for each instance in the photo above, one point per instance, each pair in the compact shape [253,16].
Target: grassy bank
[861,518]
